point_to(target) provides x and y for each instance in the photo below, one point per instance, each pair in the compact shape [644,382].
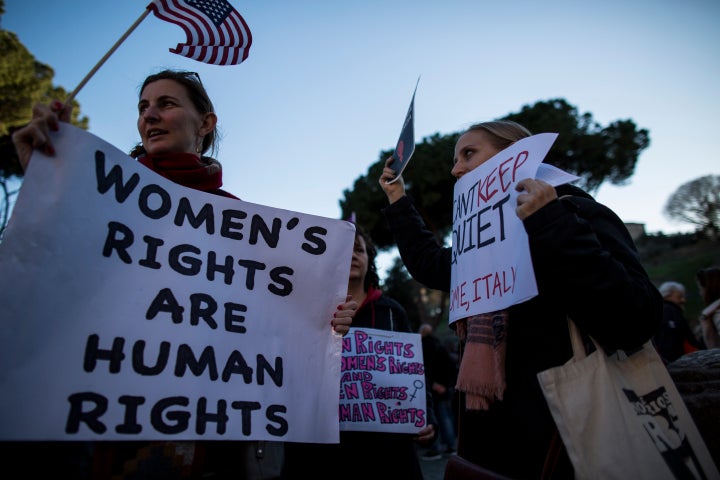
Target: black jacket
[439,365]
[381,312]
[674,332]
[586,267]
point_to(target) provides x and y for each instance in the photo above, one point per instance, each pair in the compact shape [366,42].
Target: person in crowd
[586,268]
[177,125]
[363,455]
[440,375]
[708,281]
[675,337]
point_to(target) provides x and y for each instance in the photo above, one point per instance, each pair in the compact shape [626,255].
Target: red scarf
[188,170]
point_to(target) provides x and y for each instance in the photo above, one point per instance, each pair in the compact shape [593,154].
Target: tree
[23,82]
[697,202]
[583,147]
[427,179]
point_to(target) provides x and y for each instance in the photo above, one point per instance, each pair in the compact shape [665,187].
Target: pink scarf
[482,367]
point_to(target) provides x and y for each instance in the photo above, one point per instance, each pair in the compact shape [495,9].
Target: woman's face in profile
[472,149]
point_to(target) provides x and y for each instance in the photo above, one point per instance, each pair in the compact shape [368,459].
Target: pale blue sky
[327,83]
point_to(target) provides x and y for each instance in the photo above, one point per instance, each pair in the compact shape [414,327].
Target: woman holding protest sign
[365,454]
[177,125]
[586,267]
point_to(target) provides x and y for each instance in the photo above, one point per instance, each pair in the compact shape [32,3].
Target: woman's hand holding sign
[36,134]
[396,190]
[536,194]
[342,319]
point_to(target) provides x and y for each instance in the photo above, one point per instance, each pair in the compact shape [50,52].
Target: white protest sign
[491,264]
[382,385]
[137,309]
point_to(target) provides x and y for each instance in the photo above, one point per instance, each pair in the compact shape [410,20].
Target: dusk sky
[327,84]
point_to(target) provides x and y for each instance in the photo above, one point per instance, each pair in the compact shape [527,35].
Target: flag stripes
[216,33]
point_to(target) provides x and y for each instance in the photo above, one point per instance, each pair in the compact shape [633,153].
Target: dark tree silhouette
[23,82]
[583,147]
[697,202]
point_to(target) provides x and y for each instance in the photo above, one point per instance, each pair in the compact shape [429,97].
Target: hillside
[678,258]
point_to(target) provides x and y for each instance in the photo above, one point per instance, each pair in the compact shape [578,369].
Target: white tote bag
[621,417]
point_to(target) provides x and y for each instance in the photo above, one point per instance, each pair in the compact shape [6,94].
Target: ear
[209,121]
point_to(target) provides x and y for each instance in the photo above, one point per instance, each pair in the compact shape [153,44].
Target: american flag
[216,33]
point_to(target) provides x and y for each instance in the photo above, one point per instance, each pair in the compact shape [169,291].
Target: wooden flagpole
[107,55]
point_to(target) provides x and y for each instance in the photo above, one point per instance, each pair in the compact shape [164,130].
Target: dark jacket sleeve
[585,259]
[426,260]
[400,320]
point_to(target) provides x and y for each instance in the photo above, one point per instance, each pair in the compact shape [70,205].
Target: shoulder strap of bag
[576,340]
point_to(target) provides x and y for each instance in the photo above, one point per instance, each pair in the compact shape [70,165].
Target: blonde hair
[501,133]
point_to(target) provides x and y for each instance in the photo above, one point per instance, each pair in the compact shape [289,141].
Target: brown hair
[371,277]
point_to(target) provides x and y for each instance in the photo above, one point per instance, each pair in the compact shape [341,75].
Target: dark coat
[440,367]
[381,312]
[674,332]
[586,267]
